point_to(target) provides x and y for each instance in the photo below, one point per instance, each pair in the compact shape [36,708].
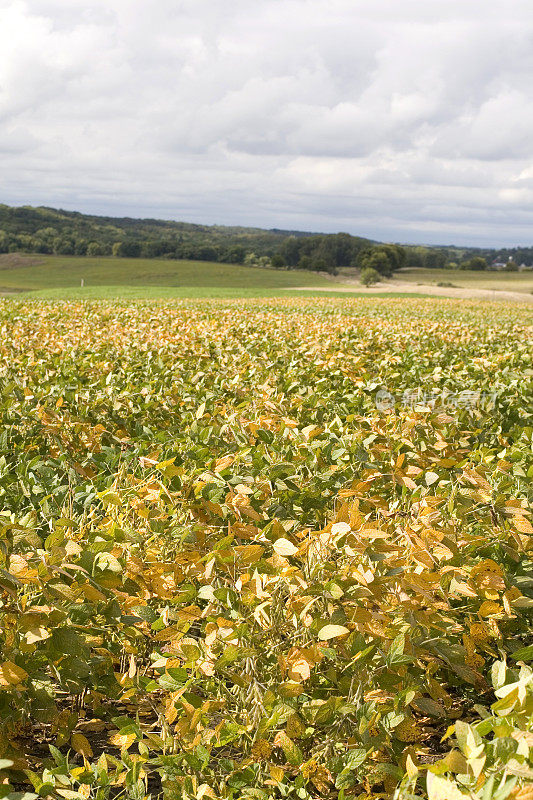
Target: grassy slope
[53,272]
[60,276]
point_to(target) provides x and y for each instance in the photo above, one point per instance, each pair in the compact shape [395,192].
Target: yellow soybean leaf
[261,750]
[525,793]
[284,548]
[488,608]
[410,767]
[340,527]
[222,463]
[122,740]
[11,674]
[205,791]
[373,533]
[290,689]
[92,593]
[276,773]
[331,632]
[36,635]
[442,789]
[291,751]
[523,525]
[81,745]
[456,762]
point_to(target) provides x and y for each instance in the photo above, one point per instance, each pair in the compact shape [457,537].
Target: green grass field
[60,277]
[28,273]
[50,277]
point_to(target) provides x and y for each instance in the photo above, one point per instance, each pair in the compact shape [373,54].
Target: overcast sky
[402,120]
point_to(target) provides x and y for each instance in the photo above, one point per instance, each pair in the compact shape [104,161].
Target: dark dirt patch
[17,261]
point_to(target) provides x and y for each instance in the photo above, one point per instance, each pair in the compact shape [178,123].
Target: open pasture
[21,272]
[228,571]
[469,279]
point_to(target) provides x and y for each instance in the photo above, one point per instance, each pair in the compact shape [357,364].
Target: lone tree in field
[384,258]
[369,276]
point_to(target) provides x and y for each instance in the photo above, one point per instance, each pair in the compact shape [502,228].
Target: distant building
[498,264]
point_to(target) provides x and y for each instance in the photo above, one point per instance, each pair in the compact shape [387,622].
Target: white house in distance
[499,264]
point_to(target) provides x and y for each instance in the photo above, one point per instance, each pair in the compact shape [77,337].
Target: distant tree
[435,259]
[477,263]
[127,249]
[511,266]
[304,262]
[376,258]
[290,250]
[345,249]
[183,250]
[233,255]
[397,255]
[38,246]
[277,261]
[95,249]
[369,276]
[250,260]
[319,265]
[80,247]
[207,253]
[416,257]
[24,243]
[152,249]
[384,258]
[63,247]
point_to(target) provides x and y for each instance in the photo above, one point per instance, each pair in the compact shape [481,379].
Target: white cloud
[408,120]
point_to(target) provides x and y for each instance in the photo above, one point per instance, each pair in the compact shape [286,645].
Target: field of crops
[228,571]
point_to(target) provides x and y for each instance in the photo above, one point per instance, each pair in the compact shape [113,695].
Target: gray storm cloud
[407,121]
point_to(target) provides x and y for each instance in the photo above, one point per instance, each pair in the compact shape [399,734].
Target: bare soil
[17,260]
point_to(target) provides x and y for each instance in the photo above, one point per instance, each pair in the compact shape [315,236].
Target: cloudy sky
[405,120]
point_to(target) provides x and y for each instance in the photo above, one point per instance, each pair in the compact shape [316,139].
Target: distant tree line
[321,253]
[467,258]
[328,252]
[50,241]
[52,231]
[427,257]
[516,255]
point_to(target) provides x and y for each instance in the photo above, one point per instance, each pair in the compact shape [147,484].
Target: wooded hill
[48,230]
